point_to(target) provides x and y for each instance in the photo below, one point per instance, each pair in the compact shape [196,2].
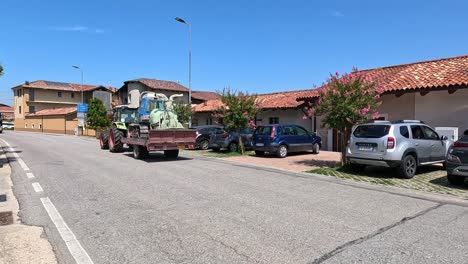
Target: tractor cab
[149,104]
[124,115]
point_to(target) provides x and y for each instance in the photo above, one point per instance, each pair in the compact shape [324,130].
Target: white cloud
[75,28]
[336,13]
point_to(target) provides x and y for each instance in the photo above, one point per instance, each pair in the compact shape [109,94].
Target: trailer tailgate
[172,139]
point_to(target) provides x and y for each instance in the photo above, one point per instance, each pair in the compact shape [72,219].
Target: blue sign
[82,108]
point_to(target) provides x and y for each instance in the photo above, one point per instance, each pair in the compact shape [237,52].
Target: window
[429,133]
[72,95]
[32,126]
[209,121]
[371,131]
[19,109]
[301,131]
[59,94]
[263,130]
[40,126]
[32,109]
[25,125]
[247,130]
[289,131]
[31,95]
[219,131]
[417,132]
[274,120]
[404,131]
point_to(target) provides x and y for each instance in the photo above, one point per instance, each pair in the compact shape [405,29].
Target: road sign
[81,115]
[82,108]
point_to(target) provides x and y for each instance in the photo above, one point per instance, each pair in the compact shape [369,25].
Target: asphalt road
[199,210]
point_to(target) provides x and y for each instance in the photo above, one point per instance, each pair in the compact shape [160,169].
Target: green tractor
[123,117]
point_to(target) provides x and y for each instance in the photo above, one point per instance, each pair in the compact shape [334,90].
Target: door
[217,138]
[422,146]
[304,139]
[290,138]
[437,145]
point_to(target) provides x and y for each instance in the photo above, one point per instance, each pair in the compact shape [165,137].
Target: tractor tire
[104,140]
[171,154]
[140,152]
[115,140]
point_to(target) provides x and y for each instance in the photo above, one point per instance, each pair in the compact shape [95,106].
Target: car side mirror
[443,138]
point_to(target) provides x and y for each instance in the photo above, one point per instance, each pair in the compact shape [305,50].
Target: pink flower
[349,120]
[375,115]
[364,111]
[377,96]
[304,117]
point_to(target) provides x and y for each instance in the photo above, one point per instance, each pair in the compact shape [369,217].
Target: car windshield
[263,130]
[155,104]
[371,131]
[464,138]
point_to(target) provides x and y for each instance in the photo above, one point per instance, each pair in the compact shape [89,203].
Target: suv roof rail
[407,121]
[378,121]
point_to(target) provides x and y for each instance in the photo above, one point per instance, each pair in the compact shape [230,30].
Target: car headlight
[453,158]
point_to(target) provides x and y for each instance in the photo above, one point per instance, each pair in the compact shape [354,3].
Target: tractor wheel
[104,140]
[140,152]
[115,140]
[171,154]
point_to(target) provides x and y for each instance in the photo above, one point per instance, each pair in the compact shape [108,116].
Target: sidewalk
[18,243]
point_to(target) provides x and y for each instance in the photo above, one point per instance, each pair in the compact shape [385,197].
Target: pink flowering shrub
[346,100]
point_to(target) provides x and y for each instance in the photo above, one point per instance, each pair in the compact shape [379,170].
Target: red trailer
[168,140]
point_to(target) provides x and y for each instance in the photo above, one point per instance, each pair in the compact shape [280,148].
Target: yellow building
[48,106]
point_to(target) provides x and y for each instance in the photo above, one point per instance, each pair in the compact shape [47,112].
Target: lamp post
[81,86]
[178,19]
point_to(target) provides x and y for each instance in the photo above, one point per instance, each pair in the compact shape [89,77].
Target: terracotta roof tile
[4,109]
[61,86]
[204,96]
[425,75]
[160,84]
[57,111]
[265,101]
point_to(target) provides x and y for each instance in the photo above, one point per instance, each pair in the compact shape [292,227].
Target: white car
[8,125]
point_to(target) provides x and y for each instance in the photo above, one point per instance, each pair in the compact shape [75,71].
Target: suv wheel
[315,148]
[282,151]
[204,144]
[232,147]
[408,166]
[455,180]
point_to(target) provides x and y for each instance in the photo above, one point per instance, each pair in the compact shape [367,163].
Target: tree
[238,111]
[346,100]
[97,115]
[1,70]
[183,112]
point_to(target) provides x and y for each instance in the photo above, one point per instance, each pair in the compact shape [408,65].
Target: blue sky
[257,46]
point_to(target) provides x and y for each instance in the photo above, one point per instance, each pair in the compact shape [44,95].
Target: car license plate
[366,148]
[181,147]
[259,144]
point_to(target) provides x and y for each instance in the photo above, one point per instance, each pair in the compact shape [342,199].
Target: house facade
[274,108]
[50,98]
[435,92]
[6,112]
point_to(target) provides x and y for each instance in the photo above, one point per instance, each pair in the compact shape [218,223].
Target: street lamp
[178,19]
[81,87]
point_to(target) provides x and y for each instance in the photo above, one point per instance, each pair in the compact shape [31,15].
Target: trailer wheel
[104,140]
[171,154]
[115,140]
[140,152]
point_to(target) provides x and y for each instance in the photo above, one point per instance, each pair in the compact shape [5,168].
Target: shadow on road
[382,172]
[158,157]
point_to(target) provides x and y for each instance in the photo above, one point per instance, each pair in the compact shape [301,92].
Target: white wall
[288,116]
[441,109]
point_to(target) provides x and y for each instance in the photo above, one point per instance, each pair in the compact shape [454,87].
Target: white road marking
[29,175]
[20,161]
[37,187]
[74,246]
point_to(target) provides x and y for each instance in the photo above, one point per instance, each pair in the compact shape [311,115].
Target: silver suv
[403,144]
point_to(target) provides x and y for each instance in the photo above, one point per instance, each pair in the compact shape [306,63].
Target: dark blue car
[283,139]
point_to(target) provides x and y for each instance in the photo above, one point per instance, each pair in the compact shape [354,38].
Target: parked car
[403,144]
[203,135]
[284,139]
[8,125]
[457,161]
[224,140]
